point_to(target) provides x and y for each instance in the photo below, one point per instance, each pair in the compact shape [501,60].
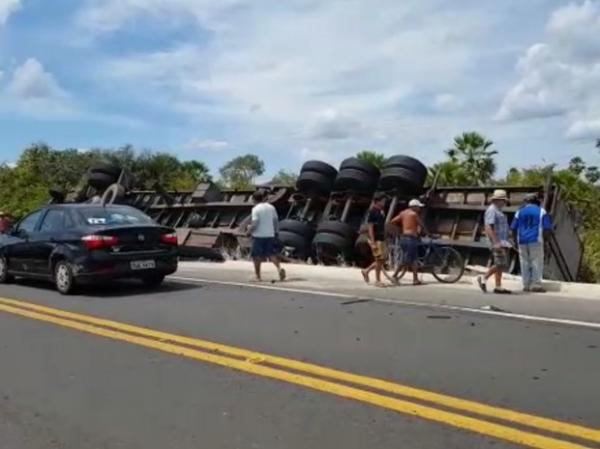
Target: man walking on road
[376,234]
[410,222]
[264,229]
[496,229]
[531,226]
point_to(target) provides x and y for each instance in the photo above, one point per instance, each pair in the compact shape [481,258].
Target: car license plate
[142,264]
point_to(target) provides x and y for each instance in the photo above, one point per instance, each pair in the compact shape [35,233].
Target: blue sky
[301,79]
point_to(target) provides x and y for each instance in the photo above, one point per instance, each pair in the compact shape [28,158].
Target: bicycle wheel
[396,259]
[447,264]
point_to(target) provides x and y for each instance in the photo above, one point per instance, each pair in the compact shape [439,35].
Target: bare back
[409,221]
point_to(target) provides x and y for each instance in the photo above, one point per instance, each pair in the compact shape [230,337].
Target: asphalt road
[67,381]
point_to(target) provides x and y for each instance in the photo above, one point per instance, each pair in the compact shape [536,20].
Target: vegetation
[285,178]
[242,171]
[470,161]
[25,186]
[373,158]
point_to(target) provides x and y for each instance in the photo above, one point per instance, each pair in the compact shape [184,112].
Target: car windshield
[109,216]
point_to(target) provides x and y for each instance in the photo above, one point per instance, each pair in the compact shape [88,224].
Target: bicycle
[444,262]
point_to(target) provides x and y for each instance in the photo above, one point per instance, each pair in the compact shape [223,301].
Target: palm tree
[472,152]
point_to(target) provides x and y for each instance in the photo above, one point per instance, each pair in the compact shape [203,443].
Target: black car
[72,244]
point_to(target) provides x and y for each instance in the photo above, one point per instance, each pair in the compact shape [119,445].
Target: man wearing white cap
[497,231]
[409,220]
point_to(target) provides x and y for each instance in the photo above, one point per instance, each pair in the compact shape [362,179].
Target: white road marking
[525,317]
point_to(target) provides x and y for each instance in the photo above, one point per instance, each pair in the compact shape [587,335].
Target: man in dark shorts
[497,232]
[264,229]
[376,234]
[409,220]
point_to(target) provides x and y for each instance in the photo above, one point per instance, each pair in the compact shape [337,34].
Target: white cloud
[309,73]
[560,77]
[110,15]
[447,103]
[34,91]
[205,145]
[331,124]
[8,7]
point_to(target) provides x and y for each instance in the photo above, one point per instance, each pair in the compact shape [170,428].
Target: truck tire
[300,245]
[337,228]
[313,182]
[357,180]
[402,179]
[100,181]
[356,164]
[113,194]
[319,167]
[107,169]
[406,162]
[297,227]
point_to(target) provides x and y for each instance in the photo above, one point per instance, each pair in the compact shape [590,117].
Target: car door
[19,253]
[50,235]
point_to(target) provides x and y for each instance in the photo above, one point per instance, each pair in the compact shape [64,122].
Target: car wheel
[63,277]
[5,278]
[153,281]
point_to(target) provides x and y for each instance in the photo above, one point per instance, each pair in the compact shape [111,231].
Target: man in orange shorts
[376,233]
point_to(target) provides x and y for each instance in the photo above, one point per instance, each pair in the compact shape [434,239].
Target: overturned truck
[323,217]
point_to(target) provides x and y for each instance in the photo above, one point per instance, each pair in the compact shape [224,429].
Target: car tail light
[92,242]
[169,239]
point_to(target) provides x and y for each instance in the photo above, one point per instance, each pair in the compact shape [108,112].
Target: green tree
[471,151]
[285,177]
[448,173]
[592,174]
[576,165]
[242,171]
[372,157]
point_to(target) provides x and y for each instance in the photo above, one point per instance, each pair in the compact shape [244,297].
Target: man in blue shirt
[530,226]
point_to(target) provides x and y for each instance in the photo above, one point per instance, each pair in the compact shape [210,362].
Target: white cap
[415,203]
[499,195]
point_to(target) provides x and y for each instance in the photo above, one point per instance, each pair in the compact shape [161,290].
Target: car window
[111,216]
[28,223]
[55,220]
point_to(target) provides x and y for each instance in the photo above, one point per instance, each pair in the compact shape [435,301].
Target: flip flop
[365,276]
[481,284]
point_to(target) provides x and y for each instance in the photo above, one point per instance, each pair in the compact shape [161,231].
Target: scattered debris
[355,301]
[493,308]
[592,346]
[439,317]
[472,324]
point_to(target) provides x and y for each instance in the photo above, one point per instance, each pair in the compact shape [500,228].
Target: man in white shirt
[264,229]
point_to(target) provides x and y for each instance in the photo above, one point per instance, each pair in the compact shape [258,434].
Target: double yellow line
[505,424]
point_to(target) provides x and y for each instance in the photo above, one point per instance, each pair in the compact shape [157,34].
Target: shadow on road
[114,289]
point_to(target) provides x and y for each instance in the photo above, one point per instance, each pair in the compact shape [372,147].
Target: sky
[302,79]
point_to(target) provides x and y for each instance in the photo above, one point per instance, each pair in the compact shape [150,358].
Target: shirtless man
[410,222]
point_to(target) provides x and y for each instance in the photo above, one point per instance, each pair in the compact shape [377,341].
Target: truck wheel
[319,167]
